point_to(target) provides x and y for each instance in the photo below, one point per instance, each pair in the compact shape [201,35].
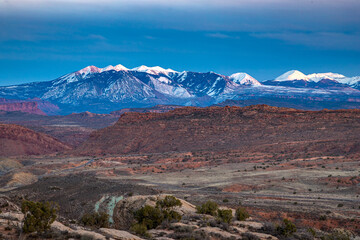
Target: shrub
[168,202]
[140,229]
[287,228]
[38,216]
[171,215]
[167,206]
[149,216]
[241,214]
[99,220]
[225,215]
[209,207]
[337,235]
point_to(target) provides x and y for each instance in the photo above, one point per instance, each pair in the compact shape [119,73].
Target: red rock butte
[258,128]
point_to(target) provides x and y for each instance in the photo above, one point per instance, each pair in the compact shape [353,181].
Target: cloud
[321,40]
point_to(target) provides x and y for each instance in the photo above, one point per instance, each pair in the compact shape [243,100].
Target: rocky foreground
[191,226]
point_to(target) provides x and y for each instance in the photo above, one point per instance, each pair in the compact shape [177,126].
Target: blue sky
[44,39]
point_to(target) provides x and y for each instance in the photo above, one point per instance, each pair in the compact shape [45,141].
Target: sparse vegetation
[241,214]
[149,217]
[225,215]
[38,216]
[210,208]
[140,229]
[287,228]
[96,219]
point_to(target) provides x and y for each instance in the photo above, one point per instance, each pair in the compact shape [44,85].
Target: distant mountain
[244,79]
[297,79]
[292,75]
[102,90]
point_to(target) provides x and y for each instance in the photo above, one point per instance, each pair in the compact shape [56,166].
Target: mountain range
[112,88]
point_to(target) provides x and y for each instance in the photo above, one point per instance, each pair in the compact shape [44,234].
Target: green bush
[140,229]
[149,216]
[287,228]
[167,206]
[241,214]
[38,216]
[210,207]
[172,215]
[168,202]
[225,215]
[98,220]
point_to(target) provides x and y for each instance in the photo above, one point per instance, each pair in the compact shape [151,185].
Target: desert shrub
[287,228]
[337,235]
[38,216]
[312,232]
[241,214]
[168,202]
[149,216]
[96,219]
[171,215]
[167,206]
[224,215]
[140,229]
[209,207]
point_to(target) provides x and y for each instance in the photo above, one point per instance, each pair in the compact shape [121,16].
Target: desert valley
[277,163]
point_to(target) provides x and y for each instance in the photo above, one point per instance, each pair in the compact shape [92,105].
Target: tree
[38,216]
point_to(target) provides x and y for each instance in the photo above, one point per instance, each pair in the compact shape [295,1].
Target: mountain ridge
[102,90]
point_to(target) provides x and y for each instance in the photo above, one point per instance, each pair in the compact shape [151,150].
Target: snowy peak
[120,67]
[292,75]
[88,70]
[153,70]
[244,79]
[117,68]
[316,77]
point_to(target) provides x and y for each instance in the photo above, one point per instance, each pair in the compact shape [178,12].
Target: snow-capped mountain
[316,77]
[295,78]
[244,79]
[115,87]
[292,75]
[153,70]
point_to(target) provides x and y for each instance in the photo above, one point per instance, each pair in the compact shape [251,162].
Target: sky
[41,40]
